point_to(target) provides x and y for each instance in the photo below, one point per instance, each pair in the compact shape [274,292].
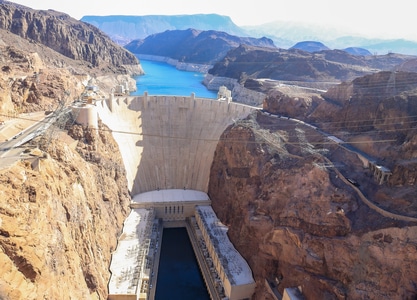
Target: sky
[369,17]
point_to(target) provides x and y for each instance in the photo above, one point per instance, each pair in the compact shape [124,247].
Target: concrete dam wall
[168,142]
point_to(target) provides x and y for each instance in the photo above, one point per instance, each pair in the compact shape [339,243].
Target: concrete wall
[168,142]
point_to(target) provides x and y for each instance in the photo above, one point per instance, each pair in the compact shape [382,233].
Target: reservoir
[179,276]
[164,79]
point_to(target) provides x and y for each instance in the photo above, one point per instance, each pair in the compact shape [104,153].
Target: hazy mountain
[285,34]
[310,46]
[357,51]
[191,45]
[124,29]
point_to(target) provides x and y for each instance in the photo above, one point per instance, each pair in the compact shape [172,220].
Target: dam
[167,144]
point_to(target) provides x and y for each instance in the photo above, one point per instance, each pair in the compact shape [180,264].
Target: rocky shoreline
[239,93]
[190,67]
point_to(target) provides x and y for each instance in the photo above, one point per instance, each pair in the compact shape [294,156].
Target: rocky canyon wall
[298,224]
[60,216]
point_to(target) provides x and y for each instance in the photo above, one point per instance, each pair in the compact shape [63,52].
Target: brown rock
[57,231]
[294,220]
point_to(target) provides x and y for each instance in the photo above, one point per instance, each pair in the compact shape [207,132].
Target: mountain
[357,51]
[287,33]
[246,62]
[310,46]
[193,46]
[124,29]
[73,39]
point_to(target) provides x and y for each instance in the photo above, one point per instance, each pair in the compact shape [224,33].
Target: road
[19,131]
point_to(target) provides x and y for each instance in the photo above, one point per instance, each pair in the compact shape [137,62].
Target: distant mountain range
[193,46]
[124,29]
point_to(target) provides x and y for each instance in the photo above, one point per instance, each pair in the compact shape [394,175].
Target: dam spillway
[168,142]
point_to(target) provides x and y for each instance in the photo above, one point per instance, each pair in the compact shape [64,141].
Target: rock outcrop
[65,199]
[298,223]
[239,93]
[67,36]
[376,115]
[60,221]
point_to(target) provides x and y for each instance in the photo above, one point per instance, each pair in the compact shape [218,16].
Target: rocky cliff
[375,114]
[298,223]
[60,215]
[64,200]
[67,36]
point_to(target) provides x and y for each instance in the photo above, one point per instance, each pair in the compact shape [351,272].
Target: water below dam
[179,276]
[164,79]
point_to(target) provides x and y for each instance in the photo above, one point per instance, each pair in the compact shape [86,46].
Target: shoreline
[182,66]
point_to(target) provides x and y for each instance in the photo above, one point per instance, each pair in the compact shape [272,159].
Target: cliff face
[65,35]
[376,113]
[60,222]
[381,110]
[298,223]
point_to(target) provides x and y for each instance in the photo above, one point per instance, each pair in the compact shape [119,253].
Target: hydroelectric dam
[167,144]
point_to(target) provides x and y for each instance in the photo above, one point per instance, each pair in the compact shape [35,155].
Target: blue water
[163,79]
[179,276]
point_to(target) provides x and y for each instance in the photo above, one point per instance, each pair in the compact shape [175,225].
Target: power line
[293,119]
[228,140]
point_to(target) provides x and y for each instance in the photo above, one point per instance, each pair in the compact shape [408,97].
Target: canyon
[279,185]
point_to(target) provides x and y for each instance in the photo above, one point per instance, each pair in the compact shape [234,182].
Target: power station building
[233,271]
[137,253]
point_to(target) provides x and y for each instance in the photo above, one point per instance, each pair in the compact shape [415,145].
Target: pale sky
[398,19]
